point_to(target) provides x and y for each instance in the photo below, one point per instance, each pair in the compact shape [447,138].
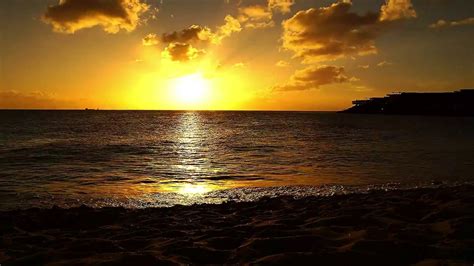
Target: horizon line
[168,110]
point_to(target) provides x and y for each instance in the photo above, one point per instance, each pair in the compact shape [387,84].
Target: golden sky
[229,54]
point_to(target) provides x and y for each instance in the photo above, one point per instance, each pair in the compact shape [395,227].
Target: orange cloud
[260,16]
[256,17]
[282,6]
[282,63]
[333,32]
[230,26]
[328,33]
[70,16]
[312,77]
[397,9]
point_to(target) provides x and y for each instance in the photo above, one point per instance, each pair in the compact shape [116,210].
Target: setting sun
[191,89]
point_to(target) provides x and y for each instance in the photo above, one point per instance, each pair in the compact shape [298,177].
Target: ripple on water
[138,159]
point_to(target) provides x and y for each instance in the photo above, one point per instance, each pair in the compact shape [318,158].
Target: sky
[229,54]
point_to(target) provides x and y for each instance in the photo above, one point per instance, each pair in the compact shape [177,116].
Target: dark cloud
[312,77]
[443,23]
[328,33]
[198,34]
[34,100]
[332,32]
[194,33]
[112,15]
[182,45]
[150,40]
[182,52]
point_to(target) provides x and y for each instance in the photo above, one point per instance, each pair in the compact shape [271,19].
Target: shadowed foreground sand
[424,226]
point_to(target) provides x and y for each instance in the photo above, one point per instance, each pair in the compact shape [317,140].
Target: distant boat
[457,103]
[88,109]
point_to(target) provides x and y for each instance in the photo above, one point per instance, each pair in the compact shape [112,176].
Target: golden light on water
[194,189]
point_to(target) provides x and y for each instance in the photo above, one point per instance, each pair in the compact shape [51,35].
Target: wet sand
[420,226]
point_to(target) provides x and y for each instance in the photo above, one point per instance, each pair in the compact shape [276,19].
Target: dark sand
[421,226]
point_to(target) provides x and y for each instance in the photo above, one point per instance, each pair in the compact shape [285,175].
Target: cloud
[397,9]
[239,65]
[439,24]
[261,16]
[312,77]
[200,34]
[182,45]
[70,16]
[194,33]
[282,6]
[328,33]
[230,26]
[256,12]
[467,21]
[150,40]
[332,32]
[34,100]
[256,17]
[363,66]
[384,63]
[182,52]
[443,23]
[282,63]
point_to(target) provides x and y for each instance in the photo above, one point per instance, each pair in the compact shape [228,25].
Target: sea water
[162,158]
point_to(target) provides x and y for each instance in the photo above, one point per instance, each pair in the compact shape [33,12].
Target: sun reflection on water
[193,164]
[191,175]
[191,189]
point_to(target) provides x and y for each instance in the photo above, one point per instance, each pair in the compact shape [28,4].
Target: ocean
[161,158]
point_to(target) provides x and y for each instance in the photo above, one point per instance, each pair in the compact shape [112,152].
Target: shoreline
[167,199]
[421,225]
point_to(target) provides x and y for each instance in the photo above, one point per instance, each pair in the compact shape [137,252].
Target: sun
[191,89]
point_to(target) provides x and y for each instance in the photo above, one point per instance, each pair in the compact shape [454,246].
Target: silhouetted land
[457,103]
[426,226]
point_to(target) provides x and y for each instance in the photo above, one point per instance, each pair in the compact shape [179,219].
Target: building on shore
[457,103]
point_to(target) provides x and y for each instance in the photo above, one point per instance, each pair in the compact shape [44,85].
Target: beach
[423,226]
